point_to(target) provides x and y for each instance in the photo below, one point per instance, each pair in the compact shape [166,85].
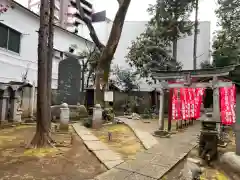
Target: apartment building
[66,15]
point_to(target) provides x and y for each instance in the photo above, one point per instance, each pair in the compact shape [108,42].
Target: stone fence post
[64,117]
[97,117]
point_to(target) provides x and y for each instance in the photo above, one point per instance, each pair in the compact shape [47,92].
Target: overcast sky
[137,10]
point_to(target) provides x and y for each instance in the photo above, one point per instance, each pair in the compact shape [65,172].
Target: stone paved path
[108,157]
[158,160]
[144,135]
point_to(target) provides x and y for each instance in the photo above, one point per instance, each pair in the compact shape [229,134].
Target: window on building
[9,38]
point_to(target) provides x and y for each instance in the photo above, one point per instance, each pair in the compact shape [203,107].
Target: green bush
[108,114]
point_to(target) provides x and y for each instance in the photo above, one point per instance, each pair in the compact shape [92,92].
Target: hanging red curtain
[199,95]
[227,104]
[190,102]
[176,111]
[183,103]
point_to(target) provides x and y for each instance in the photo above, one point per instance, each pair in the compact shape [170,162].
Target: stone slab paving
[114,174]
[158,160]
[96,145]
[108,157]
[145,137]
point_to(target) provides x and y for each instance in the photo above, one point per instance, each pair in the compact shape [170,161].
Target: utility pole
[195,36]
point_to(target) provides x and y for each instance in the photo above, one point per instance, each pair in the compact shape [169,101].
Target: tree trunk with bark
[42,136]
[195,37]
[104,63]
[105,60]
[50,57]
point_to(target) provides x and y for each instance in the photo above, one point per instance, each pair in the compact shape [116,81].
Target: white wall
[185,47]
[132,29]
[14,65]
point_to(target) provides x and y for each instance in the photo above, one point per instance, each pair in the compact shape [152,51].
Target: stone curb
[146,138]
[105,155]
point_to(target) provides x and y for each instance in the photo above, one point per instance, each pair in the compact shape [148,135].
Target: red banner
[198,101]
[183,103]
[176,111]
[227,104]
[190,102]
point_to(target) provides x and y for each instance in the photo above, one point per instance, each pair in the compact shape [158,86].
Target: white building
[132,29]
[14,60]
[66,15]
[19,42]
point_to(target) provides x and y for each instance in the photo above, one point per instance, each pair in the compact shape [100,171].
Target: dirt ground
[216,171]
[123,140]
[72,162]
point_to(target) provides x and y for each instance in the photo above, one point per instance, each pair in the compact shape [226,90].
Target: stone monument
[69,81]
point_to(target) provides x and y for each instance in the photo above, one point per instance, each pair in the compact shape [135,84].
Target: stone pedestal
[97,117]
[64,117]
[3,108]
[18,116]
[14,107]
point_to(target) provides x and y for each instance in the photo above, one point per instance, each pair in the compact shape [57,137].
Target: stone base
[3,122]
[63,127]
[97,124]
[161,133]
[30,120]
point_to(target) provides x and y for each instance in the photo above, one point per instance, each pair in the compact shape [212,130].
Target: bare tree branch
[92,31]
[120,2]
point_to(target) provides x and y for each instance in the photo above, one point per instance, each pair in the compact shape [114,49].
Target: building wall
[13,65]
[132,29]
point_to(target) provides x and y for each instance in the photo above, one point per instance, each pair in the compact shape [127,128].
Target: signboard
[108,96]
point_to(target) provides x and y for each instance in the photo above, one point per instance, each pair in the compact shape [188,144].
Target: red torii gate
[189,80]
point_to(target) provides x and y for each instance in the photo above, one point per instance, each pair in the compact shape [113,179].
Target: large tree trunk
[103,67]
[195,38]
[42,136]
[50,58]
[105,60]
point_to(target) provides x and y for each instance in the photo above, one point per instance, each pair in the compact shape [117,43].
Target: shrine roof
[231,71]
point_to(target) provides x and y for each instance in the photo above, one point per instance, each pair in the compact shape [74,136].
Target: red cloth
[191,100]
[227,105]
[176,111]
